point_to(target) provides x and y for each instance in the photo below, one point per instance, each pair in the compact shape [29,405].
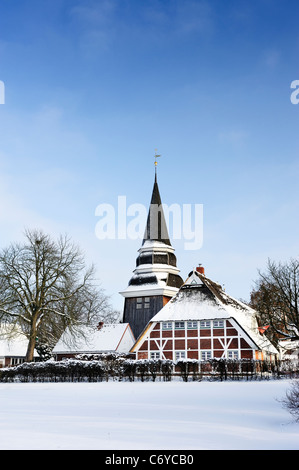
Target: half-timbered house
[203,322]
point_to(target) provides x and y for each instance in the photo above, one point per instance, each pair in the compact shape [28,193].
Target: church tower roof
[156,277]
[156,228]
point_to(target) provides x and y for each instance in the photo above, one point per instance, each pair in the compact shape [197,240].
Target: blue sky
[92,88]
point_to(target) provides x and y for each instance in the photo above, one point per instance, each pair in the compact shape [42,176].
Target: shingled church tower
[155,279]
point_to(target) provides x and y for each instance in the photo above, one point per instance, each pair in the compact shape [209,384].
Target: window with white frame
[205,324]
[166,325]
[206,355]
[191,325]
[139,302]
[146,302]
[155,355]
[180,355]
[179,325]
[233,354]
[14,361]
[218,324]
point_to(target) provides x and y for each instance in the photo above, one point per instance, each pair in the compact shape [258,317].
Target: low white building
[289,350]
[13,346]
[114,337]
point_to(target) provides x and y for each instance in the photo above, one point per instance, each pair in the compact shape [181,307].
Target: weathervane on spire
[156,163]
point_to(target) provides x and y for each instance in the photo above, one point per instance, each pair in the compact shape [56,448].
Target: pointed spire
[156,228]
[156,277]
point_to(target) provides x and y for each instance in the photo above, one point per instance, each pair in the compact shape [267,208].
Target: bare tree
[46,287]
[277,298]
[291,401]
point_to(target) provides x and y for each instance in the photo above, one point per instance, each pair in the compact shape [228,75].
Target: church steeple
[156,277]
[156,228]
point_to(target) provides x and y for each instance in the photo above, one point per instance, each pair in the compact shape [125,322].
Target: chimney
[200,269]
[100,325]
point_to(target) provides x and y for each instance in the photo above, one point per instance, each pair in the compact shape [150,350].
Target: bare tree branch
[45,286]
[276,298]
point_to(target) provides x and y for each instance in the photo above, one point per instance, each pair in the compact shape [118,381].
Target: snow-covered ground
[146,415]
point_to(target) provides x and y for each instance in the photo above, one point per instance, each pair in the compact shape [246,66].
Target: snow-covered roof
[13,343]
[202,299]
[289,349]
[110,337]
[156,245]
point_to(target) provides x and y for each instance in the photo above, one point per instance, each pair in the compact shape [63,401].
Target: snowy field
[161,415]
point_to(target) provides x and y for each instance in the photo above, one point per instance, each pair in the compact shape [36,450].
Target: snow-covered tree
[276,298]
[45,286]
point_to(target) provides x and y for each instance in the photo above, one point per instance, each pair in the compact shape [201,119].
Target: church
[156,278]
[175,319]
[165,317]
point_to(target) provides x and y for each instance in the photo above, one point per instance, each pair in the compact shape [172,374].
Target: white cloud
[15,216]
[234,137]
[272,58]
[194,16]
[96,25]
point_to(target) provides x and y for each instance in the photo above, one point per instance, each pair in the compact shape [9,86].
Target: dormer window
[192,325]
[218,324]
[179,325]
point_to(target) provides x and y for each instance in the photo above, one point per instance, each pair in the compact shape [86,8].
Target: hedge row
[118,367]
[77,370]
